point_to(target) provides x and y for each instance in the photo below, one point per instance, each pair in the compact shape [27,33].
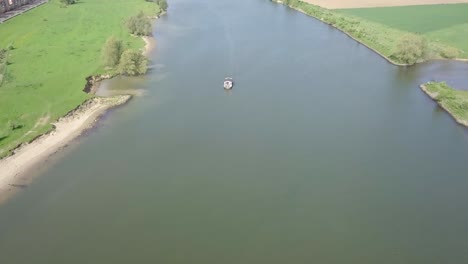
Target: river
[322,153]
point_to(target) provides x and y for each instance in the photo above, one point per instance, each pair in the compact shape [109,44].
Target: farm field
[440,23]
[54,48]
[334,4]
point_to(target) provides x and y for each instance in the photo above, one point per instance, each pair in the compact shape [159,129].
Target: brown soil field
[335,4]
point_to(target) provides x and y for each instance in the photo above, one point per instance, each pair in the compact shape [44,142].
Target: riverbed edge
[11,181]
[441,105]
[422,86]
[67,128]
[364,44]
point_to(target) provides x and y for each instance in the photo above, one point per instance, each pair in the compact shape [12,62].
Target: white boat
[228,83]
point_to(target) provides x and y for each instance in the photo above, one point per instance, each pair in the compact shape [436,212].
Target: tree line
[128,61]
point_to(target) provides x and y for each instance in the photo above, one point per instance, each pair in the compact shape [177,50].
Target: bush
[162,4]
[67,2]
[139,25]
[112,51]
[3,55]
[410,49]
[133,63]
[449,53]
[15,125]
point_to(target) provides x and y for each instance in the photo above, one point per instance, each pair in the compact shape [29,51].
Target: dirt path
[334,4]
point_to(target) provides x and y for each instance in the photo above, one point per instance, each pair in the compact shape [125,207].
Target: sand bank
[150,44]
[67,128]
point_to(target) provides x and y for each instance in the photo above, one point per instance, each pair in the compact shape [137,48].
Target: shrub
[3,55]
[139,25]
[449,53]
[133,63]
[162,4]
[410,49]
[15,125]
[331,20]
[67,2]
[112,51]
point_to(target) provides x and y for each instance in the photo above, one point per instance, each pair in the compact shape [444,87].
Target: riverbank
[384,40]
[150,44]
[45,81]
[26,157]
[337,4]
[65,130]
[454,102]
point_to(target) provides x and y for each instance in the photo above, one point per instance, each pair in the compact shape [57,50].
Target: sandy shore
[67,128]
[150,44]
[27,157]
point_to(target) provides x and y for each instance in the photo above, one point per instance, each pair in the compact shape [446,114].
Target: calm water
[323,153]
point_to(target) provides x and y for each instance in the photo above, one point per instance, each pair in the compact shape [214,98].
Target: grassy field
[454,101]
[443,29]
[340,4]
[444,23]
[55,49]
[378,36]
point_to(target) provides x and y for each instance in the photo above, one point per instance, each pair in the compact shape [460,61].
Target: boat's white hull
[228,85]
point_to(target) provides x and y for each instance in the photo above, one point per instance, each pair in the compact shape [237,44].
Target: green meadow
[447,24]
[407,35]
[397,44]
[439,24]
[454,101]
[54,49]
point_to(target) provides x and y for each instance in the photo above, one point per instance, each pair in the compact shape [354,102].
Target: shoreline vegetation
[454,102]
[398,47]
[27,154]
[53,52]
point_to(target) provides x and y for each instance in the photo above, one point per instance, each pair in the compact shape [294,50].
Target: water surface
[322,153]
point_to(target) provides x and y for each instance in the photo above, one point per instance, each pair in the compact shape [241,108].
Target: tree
[112,51]
[139,25]
[3,55]
[163,5]
[133,63]
[449,52]
[411,49]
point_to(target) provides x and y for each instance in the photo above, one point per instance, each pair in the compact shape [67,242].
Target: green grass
[376,35]
[55,49]
[444,27]
[454,101]
[444,23]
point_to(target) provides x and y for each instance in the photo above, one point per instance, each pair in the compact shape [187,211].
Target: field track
[335,4]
